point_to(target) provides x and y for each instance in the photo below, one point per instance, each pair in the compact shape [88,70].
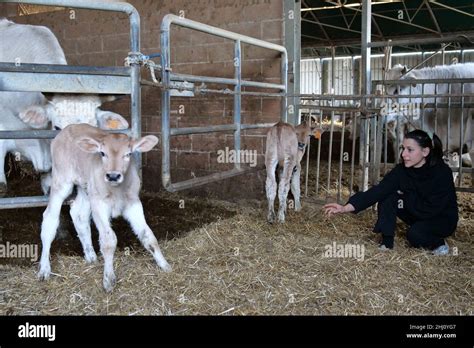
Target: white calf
[285,148]
[102,167]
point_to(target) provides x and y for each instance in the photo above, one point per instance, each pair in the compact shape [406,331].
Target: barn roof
[338,23]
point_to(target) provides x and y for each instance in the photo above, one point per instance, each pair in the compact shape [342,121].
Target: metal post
[237,99]
[365,76]
[165,108]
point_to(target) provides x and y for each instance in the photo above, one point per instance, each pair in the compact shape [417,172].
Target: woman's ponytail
[436,151]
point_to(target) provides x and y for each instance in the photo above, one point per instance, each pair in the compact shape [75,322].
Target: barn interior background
[226,259]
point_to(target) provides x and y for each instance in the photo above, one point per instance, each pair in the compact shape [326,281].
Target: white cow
[439,115]
[285,148]
[25,110]
[104,171]
[25,44]
[64,110]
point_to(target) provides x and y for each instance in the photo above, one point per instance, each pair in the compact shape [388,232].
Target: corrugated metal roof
[338,23]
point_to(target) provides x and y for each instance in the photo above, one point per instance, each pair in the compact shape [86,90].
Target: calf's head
[63,110]
[116,151]
[303,133]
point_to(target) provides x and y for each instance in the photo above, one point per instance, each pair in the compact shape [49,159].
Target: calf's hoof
[109,282]
[166,267]
[90,256]
[281,217]
[271,217]
[44,272]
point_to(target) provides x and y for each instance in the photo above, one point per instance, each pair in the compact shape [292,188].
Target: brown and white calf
[286,146]
[102,167]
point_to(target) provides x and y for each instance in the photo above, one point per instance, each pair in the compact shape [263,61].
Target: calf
[286,146]
[105,173]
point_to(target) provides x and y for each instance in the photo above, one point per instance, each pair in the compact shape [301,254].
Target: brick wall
[102,38]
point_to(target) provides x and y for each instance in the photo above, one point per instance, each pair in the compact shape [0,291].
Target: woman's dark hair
[423,139]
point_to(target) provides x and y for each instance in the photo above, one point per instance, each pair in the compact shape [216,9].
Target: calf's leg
[284,187]
[295,186]
[271,189]
[59,193]
[107,239]
[81,215]
[133,213]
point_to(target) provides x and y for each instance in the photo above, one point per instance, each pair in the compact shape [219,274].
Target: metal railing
[170,80]
[369,124]
[74,79]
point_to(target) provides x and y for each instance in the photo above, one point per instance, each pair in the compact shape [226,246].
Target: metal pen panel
[72,79]
[237,82]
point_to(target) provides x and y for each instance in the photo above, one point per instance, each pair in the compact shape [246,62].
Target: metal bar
[373,149]
[237,99]
[29,134]
[24,202]
[365,81]
[257,125]
[84,4]
[341,158]
[431,56]
[318,160]
[65,83]
[354,130]
[65,69]
[188,23]
[461,139]
[433,17]
[390,18]
[224,81]
[378,147]
[318,22]
[451,8]
[308,151]
[330,26]
[165,109]
[331,134]
[428,40]
[416,12]
[192,183]
[42,133]
[365,50]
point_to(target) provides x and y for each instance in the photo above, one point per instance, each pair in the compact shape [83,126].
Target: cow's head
[63,110]
[400,72]
[116,151]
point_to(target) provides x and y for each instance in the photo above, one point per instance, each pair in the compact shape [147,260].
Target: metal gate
[172,80]
[74,79]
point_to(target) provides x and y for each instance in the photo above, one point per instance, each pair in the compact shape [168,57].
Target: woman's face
[414,155]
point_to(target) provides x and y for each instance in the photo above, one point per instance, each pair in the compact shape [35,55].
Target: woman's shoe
[441,250]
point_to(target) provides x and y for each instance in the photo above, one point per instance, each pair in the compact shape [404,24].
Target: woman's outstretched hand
[334,208]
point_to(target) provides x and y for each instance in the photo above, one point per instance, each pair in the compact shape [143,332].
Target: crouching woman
[420,191]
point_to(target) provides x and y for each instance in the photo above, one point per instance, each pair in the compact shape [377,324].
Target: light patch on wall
[28,9]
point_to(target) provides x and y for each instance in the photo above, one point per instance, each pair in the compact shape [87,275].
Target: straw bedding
[232,262]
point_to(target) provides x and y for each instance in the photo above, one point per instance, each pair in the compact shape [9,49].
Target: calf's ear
[35,116]
[110,120]
[145,144]
[88,145]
